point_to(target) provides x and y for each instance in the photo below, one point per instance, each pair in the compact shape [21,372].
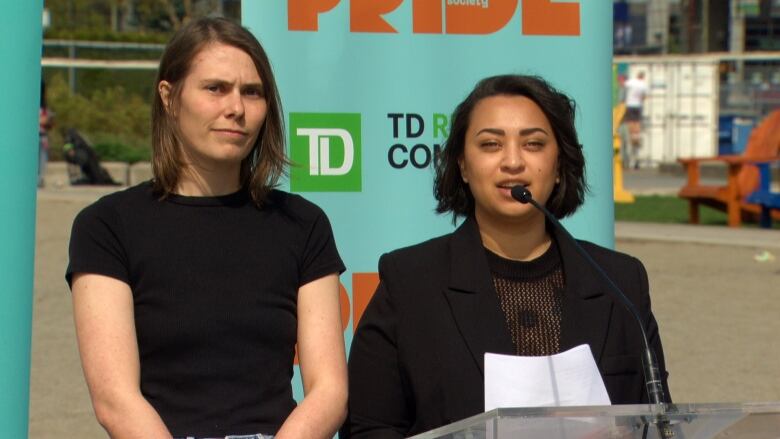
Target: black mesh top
[530,294]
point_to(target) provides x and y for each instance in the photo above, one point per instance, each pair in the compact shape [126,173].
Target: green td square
[326,152]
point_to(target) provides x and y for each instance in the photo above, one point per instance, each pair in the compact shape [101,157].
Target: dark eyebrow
[523,132]
[258,85]
[215,81]
[529,131]
[223,82]
[496,131]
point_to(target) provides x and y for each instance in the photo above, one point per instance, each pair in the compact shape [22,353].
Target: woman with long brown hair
[191,291]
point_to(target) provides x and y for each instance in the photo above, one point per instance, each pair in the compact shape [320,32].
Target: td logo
[325,150]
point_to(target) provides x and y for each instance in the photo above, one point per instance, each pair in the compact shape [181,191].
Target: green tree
[79,14]
[114,121]
[95,16]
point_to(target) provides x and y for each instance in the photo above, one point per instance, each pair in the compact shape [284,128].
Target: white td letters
[319,150]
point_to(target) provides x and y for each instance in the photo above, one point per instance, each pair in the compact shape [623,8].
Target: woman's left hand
[322,360]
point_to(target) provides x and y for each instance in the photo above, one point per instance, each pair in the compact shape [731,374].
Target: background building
[713,68]
[696,26]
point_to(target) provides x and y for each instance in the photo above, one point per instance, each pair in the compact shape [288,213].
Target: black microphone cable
[653,384]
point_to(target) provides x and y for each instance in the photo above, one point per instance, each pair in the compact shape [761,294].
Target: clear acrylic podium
[677,421]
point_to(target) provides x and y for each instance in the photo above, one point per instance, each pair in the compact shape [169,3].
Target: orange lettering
[363,287]
[344,299]
[344,302]
[463,19]
[426,16]
[542,17]
[302,14]
[366,15]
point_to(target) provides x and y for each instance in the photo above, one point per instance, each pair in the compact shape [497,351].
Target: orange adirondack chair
[742,178]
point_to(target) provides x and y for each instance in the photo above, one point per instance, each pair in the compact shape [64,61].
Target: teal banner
[20,31]
[368,87]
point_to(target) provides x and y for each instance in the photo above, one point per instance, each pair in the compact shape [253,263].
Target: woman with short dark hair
[192,291]
[453,194]
[504,282]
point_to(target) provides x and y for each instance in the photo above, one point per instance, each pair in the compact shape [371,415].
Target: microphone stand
[653,384]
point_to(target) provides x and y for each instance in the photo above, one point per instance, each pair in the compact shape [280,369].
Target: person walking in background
[45,123]
[192,291]
[635,92]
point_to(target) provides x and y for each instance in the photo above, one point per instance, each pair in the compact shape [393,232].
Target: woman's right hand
[105,328]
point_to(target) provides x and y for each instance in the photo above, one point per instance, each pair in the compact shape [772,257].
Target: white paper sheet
[569,378]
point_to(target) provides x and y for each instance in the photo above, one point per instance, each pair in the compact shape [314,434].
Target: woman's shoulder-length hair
[266,162]
[454,196]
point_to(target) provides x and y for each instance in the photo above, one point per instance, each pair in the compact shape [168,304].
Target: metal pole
[114,16]
[20,23]
[705,26]
[71,70]
[689,27]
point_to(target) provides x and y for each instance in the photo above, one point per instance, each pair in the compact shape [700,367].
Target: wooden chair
[742,176]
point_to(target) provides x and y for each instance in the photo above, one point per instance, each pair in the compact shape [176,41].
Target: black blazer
[416,362]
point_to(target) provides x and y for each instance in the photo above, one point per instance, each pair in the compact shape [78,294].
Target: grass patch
[670,209]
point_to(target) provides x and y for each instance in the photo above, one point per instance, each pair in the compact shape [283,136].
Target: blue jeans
[43,159]
[234,436]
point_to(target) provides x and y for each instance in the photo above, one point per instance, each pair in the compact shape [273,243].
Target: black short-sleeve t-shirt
[214,283]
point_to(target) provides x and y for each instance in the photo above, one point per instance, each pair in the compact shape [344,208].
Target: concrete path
[696,234]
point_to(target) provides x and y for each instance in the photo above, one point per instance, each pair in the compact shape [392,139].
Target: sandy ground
[59,400]
[717,307]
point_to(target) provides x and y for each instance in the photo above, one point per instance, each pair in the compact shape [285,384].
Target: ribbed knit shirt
[215,285]
[530,294]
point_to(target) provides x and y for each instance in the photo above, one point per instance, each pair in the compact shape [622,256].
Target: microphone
[523,195]
[655,391]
